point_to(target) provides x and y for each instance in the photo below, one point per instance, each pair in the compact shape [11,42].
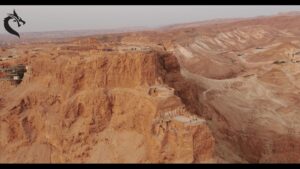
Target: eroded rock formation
[224,91]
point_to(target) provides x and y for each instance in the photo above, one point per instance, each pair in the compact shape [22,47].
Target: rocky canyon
[222,91]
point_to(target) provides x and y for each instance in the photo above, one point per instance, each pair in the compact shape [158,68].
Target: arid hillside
[222,91]
[249,72]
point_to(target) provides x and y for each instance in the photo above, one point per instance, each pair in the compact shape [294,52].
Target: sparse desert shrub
[279,62]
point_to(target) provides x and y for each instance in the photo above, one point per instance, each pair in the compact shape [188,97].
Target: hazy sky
[48,18]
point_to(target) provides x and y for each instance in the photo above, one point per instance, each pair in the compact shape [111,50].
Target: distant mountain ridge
[51,35]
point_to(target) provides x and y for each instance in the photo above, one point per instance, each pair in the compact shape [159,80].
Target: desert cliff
[216,92]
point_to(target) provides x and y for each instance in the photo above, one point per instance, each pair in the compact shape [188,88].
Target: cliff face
[107,108]
[221,91]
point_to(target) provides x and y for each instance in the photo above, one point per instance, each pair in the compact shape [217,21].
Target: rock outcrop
[98,109]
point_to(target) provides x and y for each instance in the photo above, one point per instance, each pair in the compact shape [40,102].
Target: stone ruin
[14,74]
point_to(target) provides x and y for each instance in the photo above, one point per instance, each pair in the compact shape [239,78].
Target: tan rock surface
[224,91]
